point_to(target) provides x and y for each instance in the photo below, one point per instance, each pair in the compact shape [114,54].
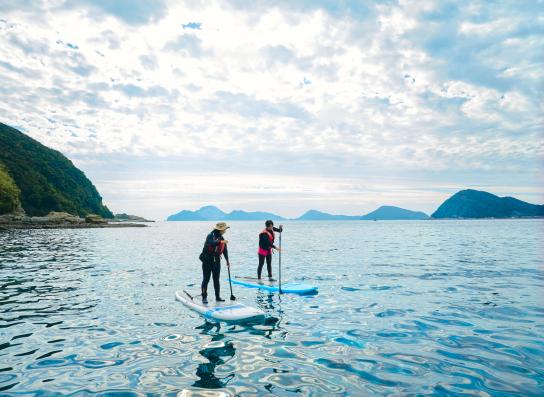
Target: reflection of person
[214,247]
[266,244]
[206,372]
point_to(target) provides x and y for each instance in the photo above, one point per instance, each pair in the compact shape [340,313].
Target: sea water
[404,307]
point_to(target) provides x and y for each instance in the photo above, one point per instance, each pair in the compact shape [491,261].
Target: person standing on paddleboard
[266,245]
[214,247]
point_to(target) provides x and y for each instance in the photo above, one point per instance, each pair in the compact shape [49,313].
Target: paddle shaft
[232,297]
[280,266]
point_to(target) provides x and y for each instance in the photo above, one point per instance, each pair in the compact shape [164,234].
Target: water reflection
[83,310]
[271,304]
[219,350]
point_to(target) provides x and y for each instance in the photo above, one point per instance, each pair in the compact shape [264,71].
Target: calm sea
[415,307]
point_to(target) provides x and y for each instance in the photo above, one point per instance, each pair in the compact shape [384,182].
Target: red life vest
[271,237]
[217,250]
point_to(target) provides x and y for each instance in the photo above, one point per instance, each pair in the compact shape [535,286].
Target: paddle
[280,264]
[232,297]
[191,296]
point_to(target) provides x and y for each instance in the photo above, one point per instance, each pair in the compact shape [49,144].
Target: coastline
[22,225]
[60,220]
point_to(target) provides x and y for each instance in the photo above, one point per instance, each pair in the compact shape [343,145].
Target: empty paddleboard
[222,311]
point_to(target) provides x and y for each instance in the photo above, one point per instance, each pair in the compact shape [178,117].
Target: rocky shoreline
[59,220]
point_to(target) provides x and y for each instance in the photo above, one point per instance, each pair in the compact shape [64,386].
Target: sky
[281,106]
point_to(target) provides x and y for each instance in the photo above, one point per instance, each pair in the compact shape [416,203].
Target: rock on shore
[58,220]
[130,218]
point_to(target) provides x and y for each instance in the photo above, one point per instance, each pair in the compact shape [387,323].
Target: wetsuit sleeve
[278,230]
[212,240]
[226,253]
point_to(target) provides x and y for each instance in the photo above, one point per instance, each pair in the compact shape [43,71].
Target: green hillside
[47,180]
[471,203]
[9,192]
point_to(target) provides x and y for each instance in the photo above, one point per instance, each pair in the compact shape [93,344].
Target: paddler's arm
[212,240]
[280,229]
[226,254]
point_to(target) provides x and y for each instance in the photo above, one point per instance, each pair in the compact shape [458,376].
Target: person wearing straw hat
[214,247]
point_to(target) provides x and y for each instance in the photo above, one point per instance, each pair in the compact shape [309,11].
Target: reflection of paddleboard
[202,393]
[223,311]
[292,288]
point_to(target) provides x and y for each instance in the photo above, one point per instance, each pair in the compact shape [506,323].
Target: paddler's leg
[260,268]
[216,270]
[206,273]
[269,265]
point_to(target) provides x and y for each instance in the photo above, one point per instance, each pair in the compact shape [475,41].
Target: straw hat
[221,226]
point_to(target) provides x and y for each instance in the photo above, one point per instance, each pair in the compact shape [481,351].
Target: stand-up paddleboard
[222,311]
[290,288]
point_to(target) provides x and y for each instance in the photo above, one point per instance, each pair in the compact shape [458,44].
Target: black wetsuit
[264,243]
[211,262]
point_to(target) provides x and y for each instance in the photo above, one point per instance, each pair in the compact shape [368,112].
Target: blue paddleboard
[290,288]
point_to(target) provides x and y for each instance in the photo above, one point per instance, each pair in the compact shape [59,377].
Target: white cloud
[396,90]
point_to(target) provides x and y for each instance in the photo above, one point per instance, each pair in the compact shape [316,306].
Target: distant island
[314,215]
[212,213]
[130,218]
[390,213]
[465,204]
[41,188]
[476,204]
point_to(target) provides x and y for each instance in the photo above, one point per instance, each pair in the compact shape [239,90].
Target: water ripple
[404,308]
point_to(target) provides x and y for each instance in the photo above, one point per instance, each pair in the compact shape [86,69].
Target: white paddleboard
[222,311]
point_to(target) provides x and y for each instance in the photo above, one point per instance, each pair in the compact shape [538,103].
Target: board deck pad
[255,278]
[222,311]
[272,286]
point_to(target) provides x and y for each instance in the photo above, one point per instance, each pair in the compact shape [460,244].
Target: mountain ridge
[389,212]
[212,213]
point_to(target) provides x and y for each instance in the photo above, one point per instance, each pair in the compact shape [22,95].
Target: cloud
[149,62]
[430,94]
[109,37]
[186,44]
[18,5]
[248,106]
[132,12]
[27,73]
[356,9]
[278,54]
[132,90]
[29,46]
